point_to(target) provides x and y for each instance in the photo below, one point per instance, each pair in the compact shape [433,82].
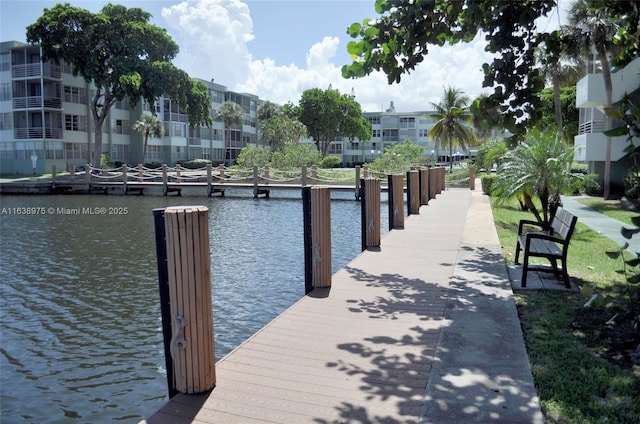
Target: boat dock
[423,330]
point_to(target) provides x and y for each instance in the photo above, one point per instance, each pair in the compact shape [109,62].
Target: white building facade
[45,113]
[590,100]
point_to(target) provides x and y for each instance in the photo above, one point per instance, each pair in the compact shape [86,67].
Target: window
[76,151]
[6,121]
[75,123]
[5,91]
[374,120]
[375,133]
[75,95]
[408,122]
[335,149]
[390,135]
[120,126]
[423,132]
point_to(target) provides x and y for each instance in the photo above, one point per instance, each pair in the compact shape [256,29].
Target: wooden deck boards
[360,351]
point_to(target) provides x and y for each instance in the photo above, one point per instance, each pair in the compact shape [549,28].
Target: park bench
[551,244]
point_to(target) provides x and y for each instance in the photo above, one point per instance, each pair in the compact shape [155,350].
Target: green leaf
[354,29]
[633,262]
[629,232]
[613,255]
[634,279]
[616,132]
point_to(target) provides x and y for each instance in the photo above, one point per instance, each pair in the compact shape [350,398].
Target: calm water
[80,335]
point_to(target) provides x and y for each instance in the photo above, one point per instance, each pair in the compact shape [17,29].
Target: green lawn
[571,348]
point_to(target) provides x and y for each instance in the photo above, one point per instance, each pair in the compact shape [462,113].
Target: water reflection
[81,336]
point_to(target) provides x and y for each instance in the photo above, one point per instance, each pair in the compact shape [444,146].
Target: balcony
[591,147]
[590,89]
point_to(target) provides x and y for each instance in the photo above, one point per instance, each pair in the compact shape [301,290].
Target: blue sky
[279,48]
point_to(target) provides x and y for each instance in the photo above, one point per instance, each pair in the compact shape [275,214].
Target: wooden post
[472,177]
[178,177]
[124,178]
[303,177]
[433,183]
[396,202]
[165,180]
[140,172]
[255,181]
[189,276]
[370,213]
[88,169]
[413,193]
[424,187]
[443,179]
[165,301]
[221,173]
[314,174]
[209,180]
[317,236]
[358,187]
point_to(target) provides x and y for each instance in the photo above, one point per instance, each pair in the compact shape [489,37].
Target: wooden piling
[189,278]
[396,201]
[424,187]
[472,177]
[317,236]
[370,213]
[413,192]
[433,183]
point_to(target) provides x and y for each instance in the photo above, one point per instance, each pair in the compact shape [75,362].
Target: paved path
[600,223]
[425,330]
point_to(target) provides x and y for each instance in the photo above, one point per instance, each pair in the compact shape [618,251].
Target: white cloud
[215,36]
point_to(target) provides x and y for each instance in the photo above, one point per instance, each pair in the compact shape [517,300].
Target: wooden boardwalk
[360,351]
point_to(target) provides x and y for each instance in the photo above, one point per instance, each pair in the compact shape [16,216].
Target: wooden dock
[360,351]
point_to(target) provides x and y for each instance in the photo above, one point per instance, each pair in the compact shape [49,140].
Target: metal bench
[551,244]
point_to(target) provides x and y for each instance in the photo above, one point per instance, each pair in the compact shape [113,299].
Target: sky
[277,49]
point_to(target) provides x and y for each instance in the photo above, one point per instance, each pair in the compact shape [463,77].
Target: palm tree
[452,115]
[558,68]
[592,28]
[149,126]
[231,114]
[538,169]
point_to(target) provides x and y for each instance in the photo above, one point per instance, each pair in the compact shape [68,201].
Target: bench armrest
[524,222]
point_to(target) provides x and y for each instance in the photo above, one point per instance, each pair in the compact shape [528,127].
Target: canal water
[80,334]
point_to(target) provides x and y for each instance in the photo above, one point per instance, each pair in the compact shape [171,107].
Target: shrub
[330,162]
[194,163]
[487,183]
[251,156]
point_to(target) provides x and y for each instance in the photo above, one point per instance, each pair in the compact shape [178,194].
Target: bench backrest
[563,223]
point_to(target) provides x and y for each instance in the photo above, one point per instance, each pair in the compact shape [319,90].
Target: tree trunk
[556,102]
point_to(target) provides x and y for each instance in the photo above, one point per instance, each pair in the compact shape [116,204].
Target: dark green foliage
[194,163]
[487,183]
[330,162]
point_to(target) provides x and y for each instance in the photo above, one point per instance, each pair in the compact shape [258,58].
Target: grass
[611,208]
[570,347]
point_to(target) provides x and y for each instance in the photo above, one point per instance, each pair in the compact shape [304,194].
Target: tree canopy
[327,114]
[123,55]
[397,40]
[279,126]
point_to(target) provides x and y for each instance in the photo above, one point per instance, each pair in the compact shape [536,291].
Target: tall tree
[486,117]
[122,54]
[279,126]
[148,126]
[328,115]
[452,116]
[591,28]
[231,114]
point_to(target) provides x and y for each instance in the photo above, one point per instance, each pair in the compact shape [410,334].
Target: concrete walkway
[424,330]
[600,223]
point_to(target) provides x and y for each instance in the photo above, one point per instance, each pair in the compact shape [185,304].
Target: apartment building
[590,99]
[45,120]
